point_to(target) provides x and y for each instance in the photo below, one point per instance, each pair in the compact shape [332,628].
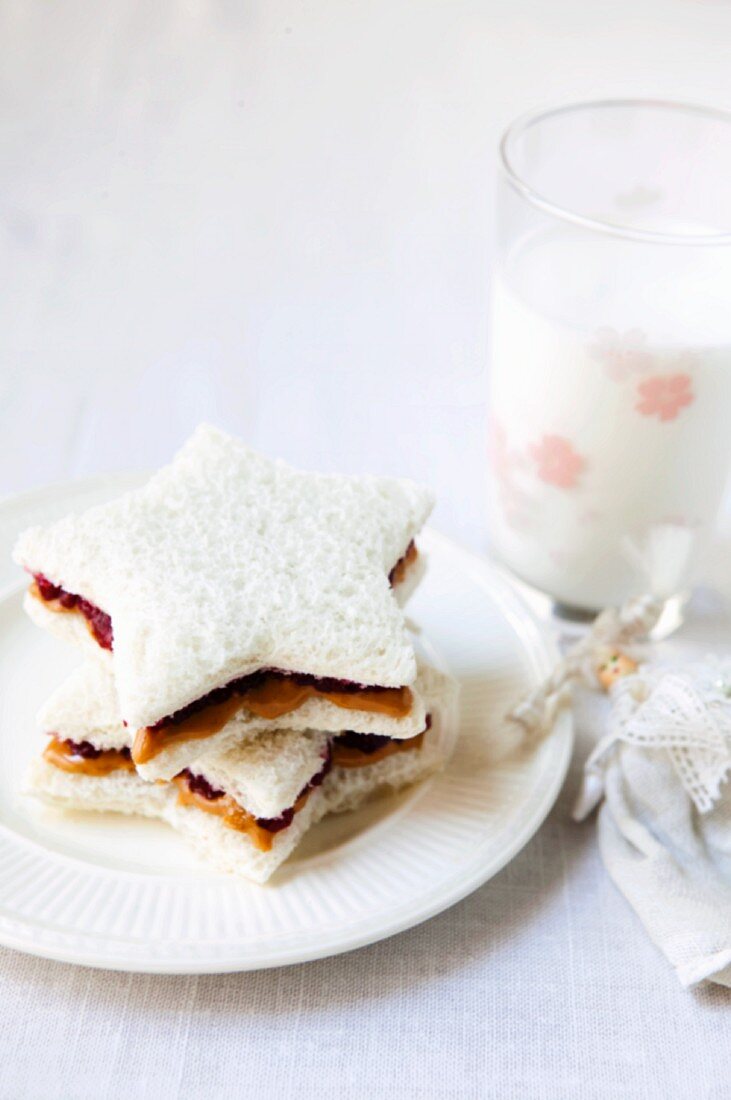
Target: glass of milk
[610,388]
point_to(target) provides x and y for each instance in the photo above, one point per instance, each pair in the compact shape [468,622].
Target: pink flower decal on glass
[664,395]
[557,461]
[622,354]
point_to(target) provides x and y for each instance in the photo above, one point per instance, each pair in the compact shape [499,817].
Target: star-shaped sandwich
[246,808]
[234,593]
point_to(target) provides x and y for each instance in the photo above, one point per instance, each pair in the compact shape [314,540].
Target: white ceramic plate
[109,891]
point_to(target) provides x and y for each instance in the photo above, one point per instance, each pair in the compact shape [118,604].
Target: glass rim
[531,118]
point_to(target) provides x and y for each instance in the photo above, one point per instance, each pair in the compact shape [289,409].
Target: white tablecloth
[543,984]
[277,216]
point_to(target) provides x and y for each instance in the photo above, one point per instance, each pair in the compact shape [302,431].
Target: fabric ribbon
[621,628]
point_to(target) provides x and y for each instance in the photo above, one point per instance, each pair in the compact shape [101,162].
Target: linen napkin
[665,823]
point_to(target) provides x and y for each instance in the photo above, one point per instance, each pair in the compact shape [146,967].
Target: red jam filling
[99,622]
[367,743]
[356,750]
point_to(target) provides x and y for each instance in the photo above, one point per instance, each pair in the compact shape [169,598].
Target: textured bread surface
[121,792]
[230,851]
[226,562]
[127,793]
[74,629]
[85,708]
[266,775]
[70,628]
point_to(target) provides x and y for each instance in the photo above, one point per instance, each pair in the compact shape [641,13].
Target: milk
[611,408]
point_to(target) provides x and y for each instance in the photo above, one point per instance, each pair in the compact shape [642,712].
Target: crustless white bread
[226,562]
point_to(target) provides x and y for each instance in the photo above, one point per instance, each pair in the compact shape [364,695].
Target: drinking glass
[610,384]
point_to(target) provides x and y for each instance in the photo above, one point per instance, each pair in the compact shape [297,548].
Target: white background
[277,216]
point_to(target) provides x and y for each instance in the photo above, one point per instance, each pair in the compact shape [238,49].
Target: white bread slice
[69,628]
[75,630]
[266,775]
[120,792]
[227,562]
[85,708]
[230,851]
[124,792]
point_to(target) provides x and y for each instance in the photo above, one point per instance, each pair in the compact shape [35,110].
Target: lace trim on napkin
[687,712]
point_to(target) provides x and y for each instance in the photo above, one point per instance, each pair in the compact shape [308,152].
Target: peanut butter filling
[231,813]
[346,757]
[62,754]
[271,699]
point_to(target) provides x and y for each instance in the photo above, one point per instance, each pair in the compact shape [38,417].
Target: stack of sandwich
[248,666]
